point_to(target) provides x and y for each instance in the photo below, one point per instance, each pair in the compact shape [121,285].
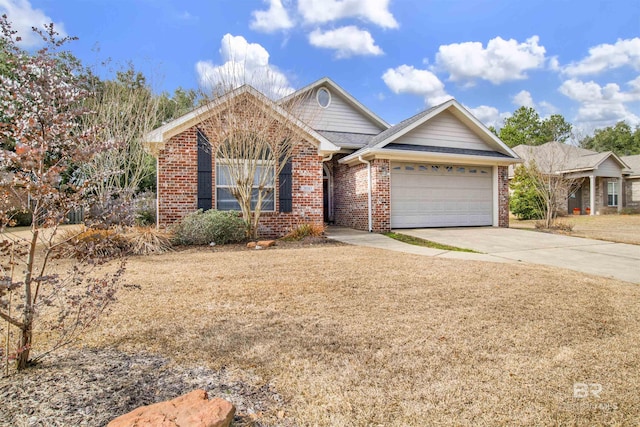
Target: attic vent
[323,97]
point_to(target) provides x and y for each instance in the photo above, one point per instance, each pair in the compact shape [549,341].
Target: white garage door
[436,195]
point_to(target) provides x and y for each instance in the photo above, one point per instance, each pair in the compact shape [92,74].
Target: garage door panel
[429,195]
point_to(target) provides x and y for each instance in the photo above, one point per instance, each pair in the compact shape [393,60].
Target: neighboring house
[602,182]
[439,168]
[631,184]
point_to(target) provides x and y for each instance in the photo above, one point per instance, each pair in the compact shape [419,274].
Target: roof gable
[454,112]
[343,114]
[558,157]
[155,140]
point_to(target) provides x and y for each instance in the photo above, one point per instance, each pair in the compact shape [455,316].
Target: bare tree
[543,172]
[123,111]
[252,138]
[41,98]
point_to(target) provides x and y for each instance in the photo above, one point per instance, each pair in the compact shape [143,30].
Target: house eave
[415,156]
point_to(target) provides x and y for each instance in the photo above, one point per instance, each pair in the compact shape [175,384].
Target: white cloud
[488,115]
[407,79]
[347,41]
[501,61]
[548,108]
[602,105]
[243,63]
[323,11]
[23,16]
[524,99]
[607,57]
[274,19]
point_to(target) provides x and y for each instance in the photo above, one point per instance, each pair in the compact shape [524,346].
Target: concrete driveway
[617,260]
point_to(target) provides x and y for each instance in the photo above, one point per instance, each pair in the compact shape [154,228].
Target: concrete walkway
[616,260]
[375,240]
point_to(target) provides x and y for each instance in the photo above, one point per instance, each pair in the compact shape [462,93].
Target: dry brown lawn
[354,336]
[614,228]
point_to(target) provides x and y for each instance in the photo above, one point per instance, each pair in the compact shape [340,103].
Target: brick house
[439,168]
[602,182]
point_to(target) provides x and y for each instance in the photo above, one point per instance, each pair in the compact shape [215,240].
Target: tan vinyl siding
[444,130]
[339,116]
[609,168]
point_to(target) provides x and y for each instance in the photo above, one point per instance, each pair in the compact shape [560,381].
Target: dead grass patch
[360,336]
[613,228]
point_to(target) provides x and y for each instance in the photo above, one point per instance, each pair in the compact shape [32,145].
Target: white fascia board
[415,156]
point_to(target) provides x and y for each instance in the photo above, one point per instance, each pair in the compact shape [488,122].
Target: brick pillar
[503,197]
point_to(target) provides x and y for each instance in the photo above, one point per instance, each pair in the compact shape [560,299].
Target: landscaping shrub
[558,226]
[525,201]
[307,229]
[144,206]
[18,218]
[629,211]
[203,228]
[148,240]
[101,242]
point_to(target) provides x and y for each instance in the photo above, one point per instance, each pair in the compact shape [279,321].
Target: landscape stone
[190,410]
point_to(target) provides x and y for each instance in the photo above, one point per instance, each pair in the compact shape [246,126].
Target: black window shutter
[204,173]
[285,196]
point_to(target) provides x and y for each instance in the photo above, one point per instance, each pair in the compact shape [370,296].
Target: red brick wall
[350,195]
[503,196]
[381,200]
[178,185]
[178,177]
[307,205]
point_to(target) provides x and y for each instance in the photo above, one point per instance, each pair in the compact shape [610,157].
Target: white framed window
[612,193]
[224,196]
[323,97]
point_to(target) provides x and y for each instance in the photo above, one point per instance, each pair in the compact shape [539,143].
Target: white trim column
[496,197]
[619,181]
[592,194]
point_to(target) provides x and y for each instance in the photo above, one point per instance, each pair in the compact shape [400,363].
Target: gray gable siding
[444,130]
[339,116]
[609,168]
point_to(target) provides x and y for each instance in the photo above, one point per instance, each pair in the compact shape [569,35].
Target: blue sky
[580,59]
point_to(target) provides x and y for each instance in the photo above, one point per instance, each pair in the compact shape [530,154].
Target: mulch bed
[280,244]
[90,387]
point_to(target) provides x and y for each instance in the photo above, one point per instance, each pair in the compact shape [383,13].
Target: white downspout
[158,192]
[368,163]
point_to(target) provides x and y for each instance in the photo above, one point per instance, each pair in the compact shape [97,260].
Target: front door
[575,200]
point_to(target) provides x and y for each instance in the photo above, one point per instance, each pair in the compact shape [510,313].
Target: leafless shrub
[307,229]
[148,241]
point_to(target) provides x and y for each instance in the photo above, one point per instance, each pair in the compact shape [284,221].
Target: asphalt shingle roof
[448,150]
[347,139]
[634,164]
[554,156]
